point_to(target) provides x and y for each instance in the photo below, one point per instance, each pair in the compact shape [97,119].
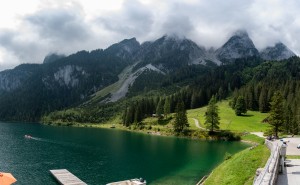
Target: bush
[227,156]
[225,135]
[200,134]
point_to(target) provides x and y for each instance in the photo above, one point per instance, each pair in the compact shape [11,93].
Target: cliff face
[238,46]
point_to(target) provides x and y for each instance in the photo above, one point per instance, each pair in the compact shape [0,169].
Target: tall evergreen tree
[221,94]
[240,106]
[124,117]
[181,121]
[277,113]
[129,117]
[138,114]
[251,105]
[194,100]
[160,108]
[167,107]
[263,100]
[212,115]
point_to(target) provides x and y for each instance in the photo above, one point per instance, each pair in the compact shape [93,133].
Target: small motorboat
[28,136]
[139,181]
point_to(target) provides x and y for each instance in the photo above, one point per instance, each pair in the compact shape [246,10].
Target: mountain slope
[14,78]
[59,84]
[277,52]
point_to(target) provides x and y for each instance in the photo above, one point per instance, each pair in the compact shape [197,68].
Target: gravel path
[292,143]
[197,124]
[259,134]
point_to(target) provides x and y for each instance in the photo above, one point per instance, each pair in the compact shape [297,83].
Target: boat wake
[37,139]
[55,142]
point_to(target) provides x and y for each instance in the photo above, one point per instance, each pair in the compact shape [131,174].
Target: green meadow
[250,122]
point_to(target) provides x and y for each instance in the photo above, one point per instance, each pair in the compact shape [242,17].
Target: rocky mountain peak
[238,46]
[52,57]
[130,42]
[277,52]
[124,49]
[166,52]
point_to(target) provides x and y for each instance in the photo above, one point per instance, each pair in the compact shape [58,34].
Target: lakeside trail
[259,134]
[197,124]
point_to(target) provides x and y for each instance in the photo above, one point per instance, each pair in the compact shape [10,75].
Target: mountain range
[31,90]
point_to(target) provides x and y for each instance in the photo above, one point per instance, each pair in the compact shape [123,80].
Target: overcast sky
[31,29]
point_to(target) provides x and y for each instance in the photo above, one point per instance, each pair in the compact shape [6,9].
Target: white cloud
[31,29]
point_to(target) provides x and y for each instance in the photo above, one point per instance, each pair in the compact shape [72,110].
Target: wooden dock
[65,177]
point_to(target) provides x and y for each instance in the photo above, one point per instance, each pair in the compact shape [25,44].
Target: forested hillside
[264,80]
[56,85]
[197,85]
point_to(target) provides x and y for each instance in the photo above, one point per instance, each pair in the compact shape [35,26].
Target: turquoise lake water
[100,156]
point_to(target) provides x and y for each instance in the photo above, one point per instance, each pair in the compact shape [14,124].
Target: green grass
[253,138]
[197,114]
[293,156]
[251,122]
[240,168]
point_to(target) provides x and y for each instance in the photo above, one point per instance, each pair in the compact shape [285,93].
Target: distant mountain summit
[169,52]
[125,49]
[238,46]
[53,57]
[277,52]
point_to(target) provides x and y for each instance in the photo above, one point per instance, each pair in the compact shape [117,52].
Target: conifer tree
[277,113]
[181,121]
[212,115]
[167,107]
[160,108]
[129,116]
[250,98]
[138,114]
[263,100]
[240,106]
[194,100]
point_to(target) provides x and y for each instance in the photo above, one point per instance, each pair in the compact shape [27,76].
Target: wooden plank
[65,177]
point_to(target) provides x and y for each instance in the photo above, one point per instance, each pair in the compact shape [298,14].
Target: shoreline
[165,132]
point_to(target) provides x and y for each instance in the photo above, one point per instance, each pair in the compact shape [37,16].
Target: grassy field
[240,168]
[250,122]
[253,138]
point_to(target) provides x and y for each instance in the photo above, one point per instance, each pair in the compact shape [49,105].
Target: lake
[100,156]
